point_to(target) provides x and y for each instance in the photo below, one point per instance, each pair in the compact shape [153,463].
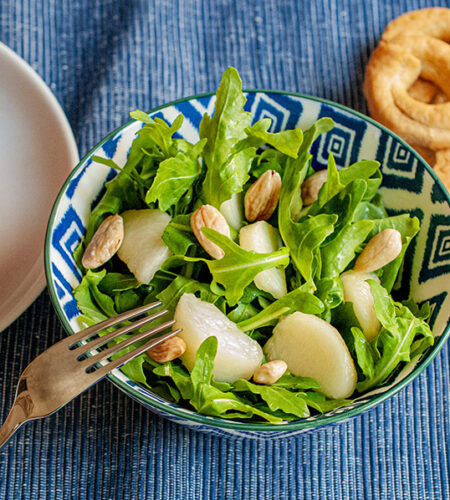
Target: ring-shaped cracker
[393,67]
[434,22]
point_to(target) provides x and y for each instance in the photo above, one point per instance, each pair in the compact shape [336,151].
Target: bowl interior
[409,185]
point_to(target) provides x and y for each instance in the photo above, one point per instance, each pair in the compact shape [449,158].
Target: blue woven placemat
[103,58]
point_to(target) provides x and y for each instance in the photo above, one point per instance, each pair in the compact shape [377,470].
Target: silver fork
[66,369]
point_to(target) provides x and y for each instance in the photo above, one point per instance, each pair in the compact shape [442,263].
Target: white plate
[37,152]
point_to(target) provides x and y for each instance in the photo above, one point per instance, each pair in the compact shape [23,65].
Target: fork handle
[17,416]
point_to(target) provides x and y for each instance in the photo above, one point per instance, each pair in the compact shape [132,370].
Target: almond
[270,372]
[209,216]
[262,196]
[311,187]
[383,248]
[105,242]
[170,349]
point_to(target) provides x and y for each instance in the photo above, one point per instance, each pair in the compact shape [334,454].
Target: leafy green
[337,255]
[303,238]
[174,177]
[333,184]
[297,300]
[408,228]
[178,235]
[159,134]
[294,382]
[180,377]
[122,193]
[226,168]
[94,304]
[117,282]
[238,268]
[393,344]
[210,400]
[180,285]
[277,398]
[287,141]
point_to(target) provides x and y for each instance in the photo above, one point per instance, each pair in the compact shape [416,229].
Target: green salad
[279,276]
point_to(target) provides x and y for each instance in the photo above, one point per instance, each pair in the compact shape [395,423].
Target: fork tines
[87,344]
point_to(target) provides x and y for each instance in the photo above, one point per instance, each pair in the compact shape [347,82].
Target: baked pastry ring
[393,67]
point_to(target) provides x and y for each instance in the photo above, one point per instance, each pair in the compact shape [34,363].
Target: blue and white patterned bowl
[409,185]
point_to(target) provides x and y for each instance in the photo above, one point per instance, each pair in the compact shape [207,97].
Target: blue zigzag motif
[344,140]
[64,289]
[437,301]
[436,262]
[398,158]
[65,236]
[75,180]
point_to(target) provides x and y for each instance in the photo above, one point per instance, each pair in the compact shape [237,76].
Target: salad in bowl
[279,276]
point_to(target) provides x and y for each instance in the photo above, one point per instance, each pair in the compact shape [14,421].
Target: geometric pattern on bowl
[409,185]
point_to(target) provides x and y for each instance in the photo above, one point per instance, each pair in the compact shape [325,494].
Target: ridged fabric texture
[105,58]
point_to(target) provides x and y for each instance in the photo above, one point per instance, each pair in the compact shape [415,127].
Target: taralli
[434,22]
[407,84]
[392,69]
[425,91]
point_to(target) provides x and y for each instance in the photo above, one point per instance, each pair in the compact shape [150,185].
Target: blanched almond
[383,248]
[262,196]
[311,187]
[270,372]
[105,242]
[208,216]
[170,349]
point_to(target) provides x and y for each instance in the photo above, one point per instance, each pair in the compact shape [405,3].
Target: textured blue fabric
[103,58]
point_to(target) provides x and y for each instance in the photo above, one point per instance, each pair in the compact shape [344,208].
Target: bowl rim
[217,422]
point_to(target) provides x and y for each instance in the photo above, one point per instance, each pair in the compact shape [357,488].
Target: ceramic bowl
[409,185]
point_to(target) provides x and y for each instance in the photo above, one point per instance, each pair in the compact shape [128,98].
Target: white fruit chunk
[261,237]
[311,347]
[238,356]
[142,249]
[357,290]
[233,211]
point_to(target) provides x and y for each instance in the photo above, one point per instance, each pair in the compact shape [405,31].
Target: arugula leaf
[242,312]
[94,304]
[209,399]
[364,353]
[122,193]
[181,285]
[134,369]
[287,142]
[370,210]
[178,235]
[277,398]
[338,254]
[238,268]
[331,292]
[269,159]
[302,238]
[297,300]
[220,185]
[160,134]
[174,177]
[393,344]
[333,185]
[124,301]
[322,404]
[118,282]
[408,228]
[226,168]
[180,377]
[337,180]
[294,382]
